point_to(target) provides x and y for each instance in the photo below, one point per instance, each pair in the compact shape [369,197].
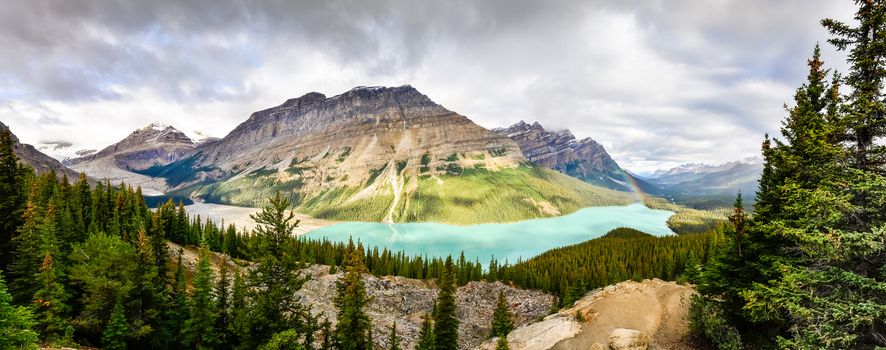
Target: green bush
[706,321]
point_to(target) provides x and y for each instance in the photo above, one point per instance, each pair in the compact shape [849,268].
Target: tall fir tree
[275,279]
[445,318]
[200,327]
[354,326]
[394,340]
[114,336]
[426,335]
[223,297]
[12,196]
[178,311]
[501,317]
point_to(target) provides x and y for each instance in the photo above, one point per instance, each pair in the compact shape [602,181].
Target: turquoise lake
[510,241]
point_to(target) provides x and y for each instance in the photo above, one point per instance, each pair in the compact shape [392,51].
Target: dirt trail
[654,307]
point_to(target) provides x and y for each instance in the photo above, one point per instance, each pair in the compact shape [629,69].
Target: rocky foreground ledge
[405,301]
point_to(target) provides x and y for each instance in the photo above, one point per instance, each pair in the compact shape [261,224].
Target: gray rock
[627,339]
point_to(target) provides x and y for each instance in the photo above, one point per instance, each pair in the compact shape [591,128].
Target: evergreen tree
[16,323]
[12,196]
[178,311]
[445,319]
[50,303]
[238,327]
[426,339]
[274,280]
[150,295]
[502,343]
[27,253]
[353,327]
[114,336]
[395,340]
[222,293]
[327,336]
[204,315]
[502,324]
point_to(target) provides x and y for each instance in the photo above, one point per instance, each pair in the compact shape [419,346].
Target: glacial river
[510,241]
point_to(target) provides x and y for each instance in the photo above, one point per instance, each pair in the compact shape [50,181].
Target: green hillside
[468,196]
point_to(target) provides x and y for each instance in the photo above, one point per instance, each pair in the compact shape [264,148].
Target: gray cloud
[55,145]
[657,82]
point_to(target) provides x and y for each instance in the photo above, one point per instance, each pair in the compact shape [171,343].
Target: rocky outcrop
[41,162]
[560,150]
[627,339]
[152,145]
[627,315]
[405,301]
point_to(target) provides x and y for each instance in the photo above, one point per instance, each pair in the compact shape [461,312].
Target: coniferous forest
[807,269]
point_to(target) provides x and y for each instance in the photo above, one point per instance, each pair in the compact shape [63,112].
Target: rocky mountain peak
[559,150]
[153,144]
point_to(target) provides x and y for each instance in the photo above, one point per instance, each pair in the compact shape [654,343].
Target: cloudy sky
[657,82]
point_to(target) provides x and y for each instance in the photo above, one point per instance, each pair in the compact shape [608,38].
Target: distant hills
[709,186]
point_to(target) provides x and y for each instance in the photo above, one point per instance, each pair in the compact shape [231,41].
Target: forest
[807,268]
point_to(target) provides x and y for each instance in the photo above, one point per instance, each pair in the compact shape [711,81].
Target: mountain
[155,144]
[377,153]
[41,162]
[584,159]
[703,185]
[152,145]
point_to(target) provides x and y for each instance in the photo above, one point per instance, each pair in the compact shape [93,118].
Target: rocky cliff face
[41,162]
[371,154]
[152,145]
[560,150]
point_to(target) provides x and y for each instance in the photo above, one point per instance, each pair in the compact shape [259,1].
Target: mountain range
[371,153]
[709,186]
[392,154]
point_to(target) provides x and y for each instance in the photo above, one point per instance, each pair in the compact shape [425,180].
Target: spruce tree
[275,279]
[445,318]
[238,327]
[201,324]
[27,253]
[178,312]
[12,195]
[223,297]
[426,339]
[354,326]
[151,295]
[502,343]
[114,336]
[51,304]
[16,323]
[394,340]
[501,317]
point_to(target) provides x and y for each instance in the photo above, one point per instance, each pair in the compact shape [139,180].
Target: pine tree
[200,326]
[114,336]
[50,304]
[27,254]
[445,319]
[327,336]
[238,327]
[12,196]
[501,317]
[502,343]
[16,323]
[394,340]
[426,339]
[223,296]
[150,294]
[178,311]
[274,281]
[353,327]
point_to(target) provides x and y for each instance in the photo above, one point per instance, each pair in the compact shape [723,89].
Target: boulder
[627,339]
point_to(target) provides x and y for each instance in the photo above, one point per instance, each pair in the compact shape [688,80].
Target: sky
[658,83]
